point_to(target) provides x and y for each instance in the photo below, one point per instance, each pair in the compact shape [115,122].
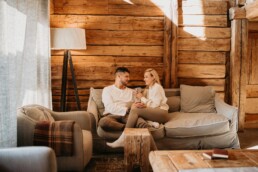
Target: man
[117,99]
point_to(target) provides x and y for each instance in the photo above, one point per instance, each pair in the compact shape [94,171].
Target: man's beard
[124,83]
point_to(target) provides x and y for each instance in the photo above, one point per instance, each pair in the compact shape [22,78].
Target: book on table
[220,153]
[207,155]
[216,154]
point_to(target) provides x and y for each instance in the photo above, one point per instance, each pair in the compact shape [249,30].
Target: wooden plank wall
[118,33]
[137,34]
[203,44]
[251,102]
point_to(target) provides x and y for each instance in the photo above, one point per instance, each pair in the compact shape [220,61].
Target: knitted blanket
[58,135]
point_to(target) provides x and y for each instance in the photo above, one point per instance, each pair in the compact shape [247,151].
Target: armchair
[27,117]
[40,159]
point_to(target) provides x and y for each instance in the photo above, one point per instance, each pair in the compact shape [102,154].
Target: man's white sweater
[117,101]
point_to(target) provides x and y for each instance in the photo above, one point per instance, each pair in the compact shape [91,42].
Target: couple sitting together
[122,110]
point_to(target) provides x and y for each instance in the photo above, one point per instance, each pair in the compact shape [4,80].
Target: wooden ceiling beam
[249,11]
[236,13]
[241,2]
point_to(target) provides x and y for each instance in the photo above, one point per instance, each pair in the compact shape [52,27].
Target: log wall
[139,34]
[203,44]
[117,34]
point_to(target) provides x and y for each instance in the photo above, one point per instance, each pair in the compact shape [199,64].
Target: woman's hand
[138,105]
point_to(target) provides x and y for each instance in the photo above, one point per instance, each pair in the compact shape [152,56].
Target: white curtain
[24,61]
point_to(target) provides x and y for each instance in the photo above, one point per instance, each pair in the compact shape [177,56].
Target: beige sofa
[27,116]
[184,130]
[21,159]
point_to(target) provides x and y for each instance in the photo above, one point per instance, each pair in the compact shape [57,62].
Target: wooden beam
[204,32]
[117,37]
[51,7]
[71,106]
[204,3]
[116,50]
[244,73]
[107,22]
[201,57]
[232,3]
[106,59]
[108,7]
[83,84]
[241,2]
[252,91]
[206,8]
[203,20]
[253,26]
[251,118]
[195,44]
[253,72]
[174,51]
[251,105]
[251,11]
[201,71]
[237,13]
[167,51]
[235,58]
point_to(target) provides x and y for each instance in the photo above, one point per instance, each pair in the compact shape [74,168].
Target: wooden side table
[137,148]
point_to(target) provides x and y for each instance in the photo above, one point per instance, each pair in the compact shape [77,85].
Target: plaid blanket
[58,135]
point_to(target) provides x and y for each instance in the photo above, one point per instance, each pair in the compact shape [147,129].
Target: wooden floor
[106,163]
[114,162]
[248,139]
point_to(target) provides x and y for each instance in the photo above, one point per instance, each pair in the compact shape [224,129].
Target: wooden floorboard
[248,138]
[106,163]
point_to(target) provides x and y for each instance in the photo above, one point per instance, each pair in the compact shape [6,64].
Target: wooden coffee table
[192,159]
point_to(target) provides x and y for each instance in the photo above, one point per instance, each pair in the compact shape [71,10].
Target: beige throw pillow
[38,114]
[195,99]
[97,98]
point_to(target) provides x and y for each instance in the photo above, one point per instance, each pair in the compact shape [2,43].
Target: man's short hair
[122,69]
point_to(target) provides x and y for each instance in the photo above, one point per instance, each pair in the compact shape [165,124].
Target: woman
[153,107]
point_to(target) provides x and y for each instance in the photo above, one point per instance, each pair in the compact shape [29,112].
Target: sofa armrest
[25,130]
[93,110]
[228,111]
[40,159]
[78,153]
[80,117]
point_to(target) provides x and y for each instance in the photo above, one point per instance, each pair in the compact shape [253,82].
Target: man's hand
[139,95]
[138,105]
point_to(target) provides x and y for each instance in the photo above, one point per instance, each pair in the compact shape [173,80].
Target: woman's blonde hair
[154,74]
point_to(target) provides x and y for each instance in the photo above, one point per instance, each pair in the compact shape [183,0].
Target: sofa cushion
[197,99]
[196,124]
[158,133]
[169,92]
[38,114]
[96,95]
[173,103]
